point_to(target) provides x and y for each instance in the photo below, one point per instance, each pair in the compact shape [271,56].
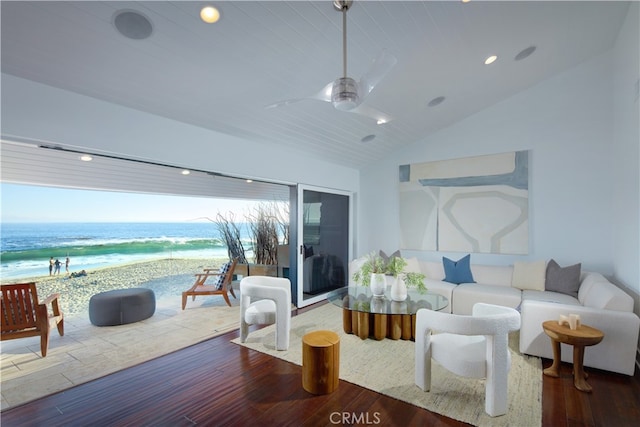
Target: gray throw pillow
[564,280]
[386,257]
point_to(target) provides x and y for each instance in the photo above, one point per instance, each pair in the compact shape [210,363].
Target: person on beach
[66,265]
[56,269]
[82,273]
[51,266]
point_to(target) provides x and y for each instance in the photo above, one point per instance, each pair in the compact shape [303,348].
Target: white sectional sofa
[600,304]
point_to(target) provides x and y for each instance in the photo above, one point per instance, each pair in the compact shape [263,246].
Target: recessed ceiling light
[185,172]
[368,138]
[436,101]
[209,14]
[249,181]
[490,60]
[525,53]
[381,121]
[86,158]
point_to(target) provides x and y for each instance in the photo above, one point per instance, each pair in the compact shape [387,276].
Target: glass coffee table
[366,315]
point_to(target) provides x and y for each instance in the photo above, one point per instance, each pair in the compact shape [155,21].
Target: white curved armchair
[272,305]
[475,346]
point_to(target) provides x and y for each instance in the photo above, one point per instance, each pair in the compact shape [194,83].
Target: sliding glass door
[324,236]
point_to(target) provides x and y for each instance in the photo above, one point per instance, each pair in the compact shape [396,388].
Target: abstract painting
[474,204]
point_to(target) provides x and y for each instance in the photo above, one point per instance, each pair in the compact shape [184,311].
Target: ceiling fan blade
[377,115]
[284,102]
[379,69]
[323,95]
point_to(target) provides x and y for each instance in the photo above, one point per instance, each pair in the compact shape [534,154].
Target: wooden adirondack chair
[23,316]
[222,286]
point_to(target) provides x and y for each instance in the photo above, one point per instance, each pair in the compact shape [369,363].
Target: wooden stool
[320,362]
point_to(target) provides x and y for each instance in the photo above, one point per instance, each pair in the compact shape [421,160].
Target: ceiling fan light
[344,94]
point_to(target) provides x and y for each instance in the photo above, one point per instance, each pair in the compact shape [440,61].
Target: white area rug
[387,367]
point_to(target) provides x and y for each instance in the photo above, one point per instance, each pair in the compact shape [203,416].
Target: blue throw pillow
[458,271]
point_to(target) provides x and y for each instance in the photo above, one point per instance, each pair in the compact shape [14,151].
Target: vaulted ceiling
[221,76]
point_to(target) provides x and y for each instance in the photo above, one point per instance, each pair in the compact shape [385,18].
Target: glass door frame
[301,301]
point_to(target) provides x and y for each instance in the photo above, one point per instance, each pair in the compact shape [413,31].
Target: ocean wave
[112,246]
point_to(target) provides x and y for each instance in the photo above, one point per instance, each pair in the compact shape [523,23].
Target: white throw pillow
[413,266]
[529,275]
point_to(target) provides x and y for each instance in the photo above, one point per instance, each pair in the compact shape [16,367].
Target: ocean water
[26,248]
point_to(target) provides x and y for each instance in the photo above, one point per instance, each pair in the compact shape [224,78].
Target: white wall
[626,155]
[583,130]
[35,111]
[566,122]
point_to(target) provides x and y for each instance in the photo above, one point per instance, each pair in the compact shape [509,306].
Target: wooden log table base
[320,362]
[379,326]
[579,338]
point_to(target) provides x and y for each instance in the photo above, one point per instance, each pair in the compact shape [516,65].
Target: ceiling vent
[132,24]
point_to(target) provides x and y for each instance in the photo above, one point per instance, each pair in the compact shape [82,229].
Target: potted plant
[375,268]
[372,273]
[395,267]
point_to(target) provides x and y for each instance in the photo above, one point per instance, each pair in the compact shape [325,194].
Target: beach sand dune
[167,277]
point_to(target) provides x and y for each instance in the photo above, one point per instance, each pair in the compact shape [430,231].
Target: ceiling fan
[345,93]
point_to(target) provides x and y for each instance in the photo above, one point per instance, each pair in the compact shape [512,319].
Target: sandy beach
[167,277]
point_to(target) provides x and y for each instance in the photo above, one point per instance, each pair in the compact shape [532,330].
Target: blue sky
[25,203]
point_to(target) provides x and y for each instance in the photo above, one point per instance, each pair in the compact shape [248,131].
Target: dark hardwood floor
[218,383]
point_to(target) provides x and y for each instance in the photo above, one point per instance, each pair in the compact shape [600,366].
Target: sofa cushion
[432,269]
[529,275]
[498,275]
[565,280]
[458,271]
[587,280]
[606,295]
[467,294]
[549,296]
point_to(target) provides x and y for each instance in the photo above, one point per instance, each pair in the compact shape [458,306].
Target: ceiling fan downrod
[343,6]
[344,94]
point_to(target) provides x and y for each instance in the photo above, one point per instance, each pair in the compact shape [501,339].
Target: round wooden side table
[320,362]
[579,338]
